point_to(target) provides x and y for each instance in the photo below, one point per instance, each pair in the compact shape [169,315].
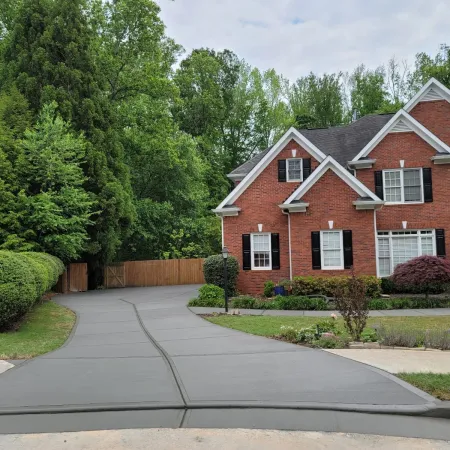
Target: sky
[296,37]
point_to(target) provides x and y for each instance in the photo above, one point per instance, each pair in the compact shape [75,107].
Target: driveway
[141,348]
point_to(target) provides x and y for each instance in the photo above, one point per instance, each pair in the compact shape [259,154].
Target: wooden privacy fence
[74,279]
[155,273]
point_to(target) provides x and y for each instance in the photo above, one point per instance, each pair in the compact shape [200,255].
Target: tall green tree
[53,209]
[50,57]
[317,101]
[366,91]
[427,67]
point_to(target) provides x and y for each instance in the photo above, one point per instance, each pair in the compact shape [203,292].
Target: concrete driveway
[138,349]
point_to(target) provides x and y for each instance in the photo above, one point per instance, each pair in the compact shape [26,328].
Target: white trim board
[405,120]
[291,134]
[331,164]
[431,91]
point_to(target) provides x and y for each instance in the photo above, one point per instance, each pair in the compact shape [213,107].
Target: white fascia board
[227,212]
[236,176]
[347,177]
[291,134]
[415,126]
[294,207]
[431,84]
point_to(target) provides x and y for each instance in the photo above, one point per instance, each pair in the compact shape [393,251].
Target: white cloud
[299,36]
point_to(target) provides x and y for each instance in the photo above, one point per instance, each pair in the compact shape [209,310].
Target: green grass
[45,328]
[270,325]
[436,384]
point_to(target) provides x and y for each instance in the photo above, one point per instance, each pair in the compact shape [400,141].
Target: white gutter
[289,240]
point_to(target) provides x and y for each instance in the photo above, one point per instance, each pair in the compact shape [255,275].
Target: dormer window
[295,169]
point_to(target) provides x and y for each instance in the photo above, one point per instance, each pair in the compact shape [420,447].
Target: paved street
[143,349]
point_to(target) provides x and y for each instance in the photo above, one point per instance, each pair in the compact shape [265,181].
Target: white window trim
[292,180]
[402,186]
[322,253]
[252,251]
[390,235]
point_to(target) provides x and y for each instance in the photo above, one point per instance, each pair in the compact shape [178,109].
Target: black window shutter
[440,243]
[275,251]
[246,252]
[306,168]
[427,185]
[282,170]
[315,245]
[379,184]
[348,249]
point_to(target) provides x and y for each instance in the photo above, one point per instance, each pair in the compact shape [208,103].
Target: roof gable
[431,91]
[402,122]
[291,134]
[331,164]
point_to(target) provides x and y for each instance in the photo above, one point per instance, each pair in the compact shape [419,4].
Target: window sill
[403,203]
[334,268]
[257,269]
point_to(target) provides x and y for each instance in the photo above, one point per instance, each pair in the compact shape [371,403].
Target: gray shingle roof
[343,143]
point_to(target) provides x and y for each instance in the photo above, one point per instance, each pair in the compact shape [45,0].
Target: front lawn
[270,325]
[436,384]
[45,328]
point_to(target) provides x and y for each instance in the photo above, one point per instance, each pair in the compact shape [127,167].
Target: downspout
[375,229]
[289,240]
[223,234]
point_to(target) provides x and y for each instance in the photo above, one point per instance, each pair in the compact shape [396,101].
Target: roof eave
[227,212]
[294,207]
[362,164]
[441,159]
[368,204]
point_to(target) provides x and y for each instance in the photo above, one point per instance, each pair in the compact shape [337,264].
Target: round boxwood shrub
[213,271]
[24,278]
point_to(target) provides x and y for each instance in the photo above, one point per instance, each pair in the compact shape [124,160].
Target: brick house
[369,195]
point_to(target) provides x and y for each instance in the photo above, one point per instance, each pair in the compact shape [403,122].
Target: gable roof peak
[432,90]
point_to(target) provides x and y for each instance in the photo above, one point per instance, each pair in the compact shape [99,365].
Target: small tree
[352,303]
[424,273]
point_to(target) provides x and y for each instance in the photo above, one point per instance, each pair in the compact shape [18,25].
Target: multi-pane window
[403,186]
[396,247]
[332,250]
[294,169]
[261,251]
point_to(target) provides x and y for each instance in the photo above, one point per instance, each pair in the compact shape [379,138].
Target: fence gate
[115,276]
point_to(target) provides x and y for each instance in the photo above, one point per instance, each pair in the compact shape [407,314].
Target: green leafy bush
[207,303]
[211,292]
[326,326]
[327,286]
[243,302]
[268,288]
[24,278]
[369,335]
[400,303]
[330,342]
[293,303]
[387,286]
[378,304]
[289,333]
[264,304]
[213,271]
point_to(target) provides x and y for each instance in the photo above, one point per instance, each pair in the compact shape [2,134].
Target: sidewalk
[386,313]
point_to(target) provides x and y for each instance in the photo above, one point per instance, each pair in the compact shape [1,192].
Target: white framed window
[261,251]
[397,247]
[332,250]
[294,169]
[403,186]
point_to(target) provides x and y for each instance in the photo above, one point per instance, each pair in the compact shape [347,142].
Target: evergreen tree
[49,56]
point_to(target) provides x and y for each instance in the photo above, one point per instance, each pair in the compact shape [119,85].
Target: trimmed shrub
[328,285]
[426,273]
[387,286]
[213,271]
[293,303]
[211,292]
[378,304]
[400,303]
[24,278]
[207,303]
[243,302]
[268,288]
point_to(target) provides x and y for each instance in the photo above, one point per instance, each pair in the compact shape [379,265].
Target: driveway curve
[142,348]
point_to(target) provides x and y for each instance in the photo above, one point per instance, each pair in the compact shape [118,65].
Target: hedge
[24,278]
[312,285]
[213,271]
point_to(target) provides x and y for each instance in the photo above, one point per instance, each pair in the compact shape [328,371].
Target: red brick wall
[435,116]
[259,205]
[332,199]
[416,153]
